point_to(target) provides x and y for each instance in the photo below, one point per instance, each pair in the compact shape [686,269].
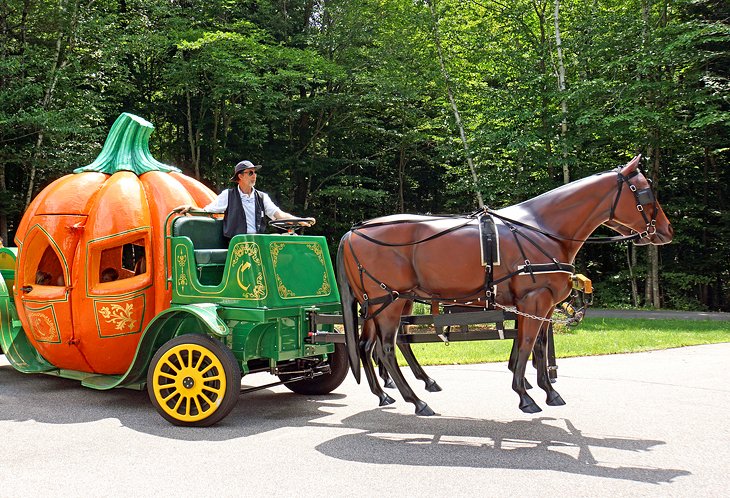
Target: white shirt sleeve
[269,207]
[219,205]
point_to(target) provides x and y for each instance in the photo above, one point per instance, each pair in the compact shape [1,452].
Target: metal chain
[535,317]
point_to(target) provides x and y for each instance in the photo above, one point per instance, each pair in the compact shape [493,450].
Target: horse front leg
[537,302]
[513,361]
[543,376]
[387,330]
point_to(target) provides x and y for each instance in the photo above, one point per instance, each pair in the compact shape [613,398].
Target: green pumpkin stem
[127,149]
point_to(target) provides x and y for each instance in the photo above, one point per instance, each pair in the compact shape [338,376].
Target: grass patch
[594,336]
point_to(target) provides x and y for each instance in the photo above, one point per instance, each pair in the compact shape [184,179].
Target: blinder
[645,196]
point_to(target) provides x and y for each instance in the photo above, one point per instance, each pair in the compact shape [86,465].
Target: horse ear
[631,165]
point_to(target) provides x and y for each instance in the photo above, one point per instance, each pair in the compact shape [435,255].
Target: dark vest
[234,219]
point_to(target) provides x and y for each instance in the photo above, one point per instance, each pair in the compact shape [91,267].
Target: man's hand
[307,222]
[185,209]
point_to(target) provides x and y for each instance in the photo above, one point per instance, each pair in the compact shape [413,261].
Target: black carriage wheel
[194,380]
[324,384]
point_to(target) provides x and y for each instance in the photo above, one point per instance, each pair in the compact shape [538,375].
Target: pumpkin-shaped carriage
[109,287]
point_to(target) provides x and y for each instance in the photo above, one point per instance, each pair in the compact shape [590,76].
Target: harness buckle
[651,229]
[639,207]
[383,286]
[632,187]
[364,297]
[644,234]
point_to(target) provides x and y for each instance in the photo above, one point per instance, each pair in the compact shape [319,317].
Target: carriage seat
[206,234]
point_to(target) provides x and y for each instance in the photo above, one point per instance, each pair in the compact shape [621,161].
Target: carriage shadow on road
[384,436]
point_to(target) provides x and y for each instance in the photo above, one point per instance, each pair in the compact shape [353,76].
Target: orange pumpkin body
[90,269]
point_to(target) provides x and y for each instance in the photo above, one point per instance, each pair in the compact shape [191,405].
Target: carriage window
[123,261]
[49,270]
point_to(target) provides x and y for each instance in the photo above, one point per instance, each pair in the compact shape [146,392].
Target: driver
[244,207]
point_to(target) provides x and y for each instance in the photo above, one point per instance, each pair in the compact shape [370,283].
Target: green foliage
[345,104]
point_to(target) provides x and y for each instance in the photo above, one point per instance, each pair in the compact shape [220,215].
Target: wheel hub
[188,382]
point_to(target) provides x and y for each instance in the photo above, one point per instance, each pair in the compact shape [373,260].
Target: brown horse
[385,263]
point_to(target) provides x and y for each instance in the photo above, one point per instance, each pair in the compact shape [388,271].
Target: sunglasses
[250,172]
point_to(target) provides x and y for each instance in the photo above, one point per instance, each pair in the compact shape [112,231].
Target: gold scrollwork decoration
[275,249]
[251,250]
[119,316]
[182,259]
[43,327]
[317,250]
[325,289]
[283,291]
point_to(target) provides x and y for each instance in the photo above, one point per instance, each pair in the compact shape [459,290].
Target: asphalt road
[647,424]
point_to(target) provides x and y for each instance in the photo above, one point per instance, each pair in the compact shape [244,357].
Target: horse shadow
[542,443]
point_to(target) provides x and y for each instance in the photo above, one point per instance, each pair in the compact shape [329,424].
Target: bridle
[642,197]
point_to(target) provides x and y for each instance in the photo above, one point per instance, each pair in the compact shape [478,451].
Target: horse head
[635,209]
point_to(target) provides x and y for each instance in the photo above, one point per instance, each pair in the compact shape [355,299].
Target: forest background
[359,108]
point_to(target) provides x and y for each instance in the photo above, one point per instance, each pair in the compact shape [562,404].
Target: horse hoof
[386,400]
[530,407]
[424,410]
[555,400]
[432,387]
[389,384]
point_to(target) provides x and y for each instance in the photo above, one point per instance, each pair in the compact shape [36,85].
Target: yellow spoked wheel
[194,380]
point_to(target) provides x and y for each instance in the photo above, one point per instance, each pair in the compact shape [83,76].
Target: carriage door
[44,287]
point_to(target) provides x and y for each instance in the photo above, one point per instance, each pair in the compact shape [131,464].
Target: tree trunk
[64,43]
[654,250]
[561,89]
[194,149]
[214,136]
[402,160]
[631,260]
[654,268]
[452,101]
[3,216]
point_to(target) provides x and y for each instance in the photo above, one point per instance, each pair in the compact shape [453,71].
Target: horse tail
[349,311]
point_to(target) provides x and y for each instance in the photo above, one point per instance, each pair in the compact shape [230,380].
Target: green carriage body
[263,287]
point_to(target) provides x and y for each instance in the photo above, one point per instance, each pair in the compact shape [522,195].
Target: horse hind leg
[367,345]
[383,372]
[417,369]
[543,377]
[386,352]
